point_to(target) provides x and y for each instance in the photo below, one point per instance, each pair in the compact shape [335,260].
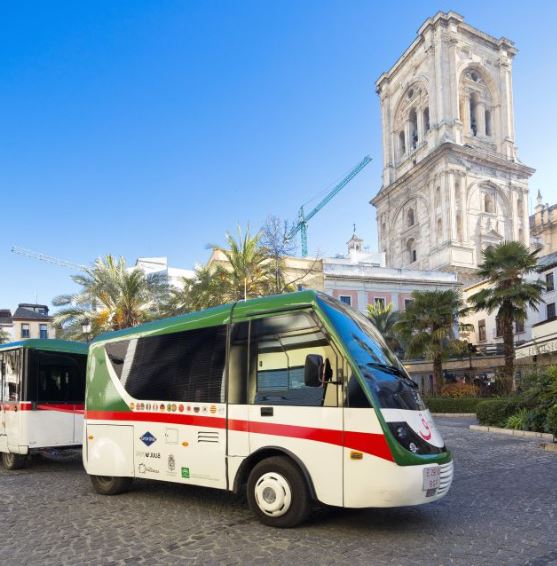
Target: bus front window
[384,375]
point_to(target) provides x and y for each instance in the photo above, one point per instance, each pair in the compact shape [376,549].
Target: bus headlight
[407,438]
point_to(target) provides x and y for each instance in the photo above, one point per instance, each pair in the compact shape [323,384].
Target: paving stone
[502,509]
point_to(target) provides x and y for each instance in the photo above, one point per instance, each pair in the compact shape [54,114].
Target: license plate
[431,478]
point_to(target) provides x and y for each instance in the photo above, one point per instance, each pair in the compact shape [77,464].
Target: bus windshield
[384,376]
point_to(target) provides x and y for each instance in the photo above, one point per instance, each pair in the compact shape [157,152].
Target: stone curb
[453,414]
[550,447]
[512,432]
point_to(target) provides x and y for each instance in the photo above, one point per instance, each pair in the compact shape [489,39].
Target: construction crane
[48,258]
[303,219]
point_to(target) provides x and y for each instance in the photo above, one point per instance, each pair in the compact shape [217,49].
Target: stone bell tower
[452,182]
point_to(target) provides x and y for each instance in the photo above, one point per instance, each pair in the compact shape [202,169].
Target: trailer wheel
[278,493]
[110,485]
[12,461]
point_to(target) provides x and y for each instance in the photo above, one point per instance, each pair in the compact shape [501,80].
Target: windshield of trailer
[384,376]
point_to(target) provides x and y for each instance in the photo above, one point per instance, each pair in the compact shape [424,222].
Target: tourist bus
[295,398]
[42,390]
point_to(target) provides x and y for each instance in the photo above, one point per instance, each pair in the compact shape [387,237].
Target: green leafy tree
[208,288]
[427,327]
[385,320]
[250,273]
[4,336]
[111,297]
[509,293]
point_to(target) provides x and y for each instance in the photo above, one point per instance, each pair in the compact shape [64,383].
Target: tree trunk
[508,340]
[437,373]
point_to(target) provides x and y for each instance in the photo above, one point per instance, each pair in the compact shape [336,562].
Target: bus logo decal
[147,439]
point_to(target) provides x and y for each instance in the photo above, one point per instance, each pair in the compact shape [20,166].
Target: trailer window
[10,365]
[56,377]
[182,366]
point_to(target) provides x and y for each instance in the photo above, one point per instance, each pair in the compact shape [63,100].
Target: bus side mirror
[313,370]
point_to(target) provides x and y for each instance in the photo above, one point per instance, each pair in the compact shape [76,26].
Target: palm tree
[428,325]
[505,268]
[208,288]
[112,297]
[385,319]
[250,273]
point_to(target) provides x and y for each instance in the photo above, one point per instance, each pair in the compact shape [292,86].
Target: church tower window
[401,143]
[488,123]
[473,120]
[410,217]
[411,250]
[489,203]
[426,119]
[413,118]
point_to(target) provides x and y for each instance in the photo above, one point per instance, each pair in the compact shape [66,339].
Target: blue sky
[152,128]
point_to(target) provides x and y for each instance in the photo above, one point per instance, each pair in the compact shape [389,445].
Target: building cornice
[447,148]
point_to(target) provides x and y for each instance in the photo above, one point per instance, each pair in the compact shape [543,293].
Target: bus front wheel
[278,493]
[110,485]
[12,461]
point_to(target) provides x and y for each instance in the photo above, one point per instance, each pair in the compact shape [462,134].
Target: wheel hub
[273,494]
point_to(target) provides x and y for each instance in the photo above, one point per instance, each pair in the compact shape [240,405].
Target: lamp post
[86,329]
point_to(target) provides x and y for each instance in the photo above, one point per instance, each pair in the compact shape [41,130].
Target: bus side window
[238,364]
[12,369]
[182,366]
[279,347]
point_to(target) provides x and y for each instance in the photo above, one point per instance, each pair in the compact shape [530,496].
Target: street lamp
[86,328]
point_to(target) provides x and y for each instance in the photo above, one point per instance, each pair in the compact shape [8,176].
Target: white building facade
[452,182]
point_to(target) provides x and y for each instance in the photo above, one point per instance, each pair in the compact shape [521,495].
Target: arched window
[401,143]
[437,197]
[411,250]
[473,120]
[439,229]
[459,227]
[426,119]
[410,217]
[413,118]
[487,123]
[489,203]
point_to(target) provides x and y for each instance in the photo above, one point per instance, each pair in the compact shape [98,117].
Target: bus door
[291,397]
[11,365]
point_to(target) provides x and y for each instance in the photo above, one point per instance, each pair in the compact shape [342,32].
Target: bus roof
[66,346]
[215,315]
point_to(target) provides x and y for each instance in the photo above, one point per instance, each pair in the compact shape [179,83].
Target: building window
[498,327]
[413,128]
[379,302]
[519,325]
[411,250]
[550,311]
[402,143]
[407,303]
[481,330]
[489,203]
[487,123]
[410,217]
[426,120]
[43,331]
[345,299]
[25,331]
[549,284]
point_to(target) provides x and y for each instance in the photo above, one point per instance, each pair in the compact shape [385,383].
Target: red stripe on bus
[370,443]
[62,408]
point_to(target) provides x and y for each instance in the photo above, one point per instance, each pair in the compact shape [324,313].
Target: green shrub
[518,421]
[452,405]
[495,412]
[551,420]
[536,419]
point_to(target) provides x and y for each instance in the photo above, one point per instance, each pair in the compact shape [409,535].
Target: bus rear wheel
[110,485]
[12,461]
[278,493]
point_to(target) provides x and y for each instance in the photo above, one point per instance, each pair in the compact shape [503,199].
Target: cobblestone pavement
[502,509]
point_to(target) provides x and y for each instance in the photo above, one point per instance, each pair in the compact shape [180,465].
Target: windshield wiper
[394,369]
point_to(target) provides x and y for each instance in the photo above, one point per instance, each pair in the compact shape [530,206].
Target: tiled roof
[547,261]
[22,313]
[5,316]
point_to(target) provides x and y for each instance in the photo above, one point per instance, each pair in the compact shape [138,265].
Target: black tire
[12,461]
[287,502]
[110,485]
